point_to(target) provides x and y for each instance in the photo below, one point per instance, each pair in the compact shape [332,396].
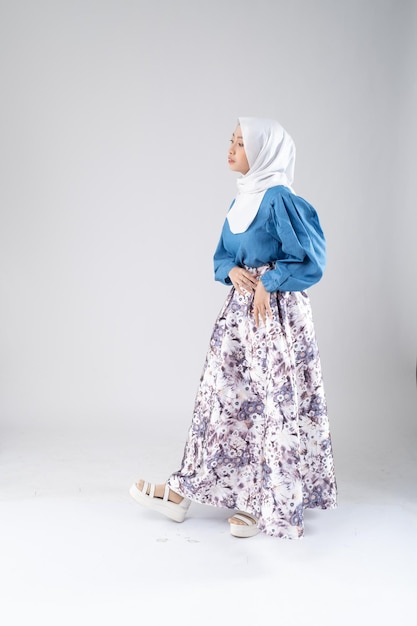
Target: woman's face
[237,159]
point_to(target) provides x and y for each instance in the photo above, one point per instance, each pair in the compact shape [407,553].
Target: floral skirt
[259,440]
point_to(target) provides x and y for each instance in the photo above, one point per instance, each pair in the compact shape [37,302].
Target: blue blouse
[286,232]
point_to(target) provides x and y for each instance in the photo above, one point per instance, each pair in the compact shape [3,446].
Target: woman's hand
[261,304]
[242,280]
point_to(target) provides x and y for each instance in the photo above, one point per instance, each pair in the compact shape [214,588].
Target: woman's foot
[160,498]
[243,525]
[159,492]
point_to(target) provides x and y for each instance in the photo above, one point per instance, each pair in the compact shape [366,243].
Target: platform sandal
[249,528]
[176,512]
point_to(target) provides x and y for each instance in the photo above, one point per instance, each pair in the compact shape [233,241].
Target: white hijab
[271,156]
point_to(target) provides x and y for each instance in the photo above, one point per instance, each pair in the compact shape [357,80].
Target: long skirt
[259,440]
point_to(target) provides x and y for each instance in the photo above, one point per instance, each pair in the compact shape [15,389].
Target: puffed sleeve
[301,261]
[223,263]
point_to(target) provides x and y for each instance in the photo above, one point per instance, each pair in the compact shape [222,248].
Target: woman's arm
[223,263]
[295,225]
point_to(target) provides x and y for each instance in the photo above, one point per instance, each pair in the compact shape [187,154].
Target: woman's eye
[240,145]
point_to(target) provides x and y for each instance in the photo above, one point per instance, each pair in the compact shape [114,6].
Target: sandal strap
[248,519]
[151,489]
[151,493]
[166,493]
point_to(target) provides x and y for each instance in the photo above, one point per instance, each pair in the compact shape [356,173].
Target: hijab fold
[271,156]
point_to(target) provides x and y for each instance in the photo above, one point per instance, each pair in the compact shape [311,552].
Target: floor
[76,549]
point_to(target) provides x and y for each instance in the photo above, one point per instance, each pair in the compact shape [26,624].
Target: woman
[259,441]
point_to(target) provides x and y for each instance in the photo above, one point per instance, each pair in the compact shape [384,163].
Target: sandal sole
[240,530]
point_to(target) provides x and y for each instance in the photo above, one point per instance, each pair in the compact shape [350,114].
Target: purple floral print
[259,440]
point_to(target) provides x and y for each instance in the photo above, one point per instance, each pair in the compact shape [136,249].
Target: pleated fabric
[260,439]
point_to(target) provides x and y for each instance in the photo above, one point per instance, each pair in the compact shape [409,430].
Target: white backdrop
[116,116]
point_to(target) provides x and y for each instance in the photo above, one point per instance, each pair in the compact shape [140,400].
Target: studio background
[116,117]
[116,121]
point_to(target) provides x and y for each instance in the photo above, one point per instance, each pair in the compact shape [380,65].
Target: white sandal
[248,529]
[176,512]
